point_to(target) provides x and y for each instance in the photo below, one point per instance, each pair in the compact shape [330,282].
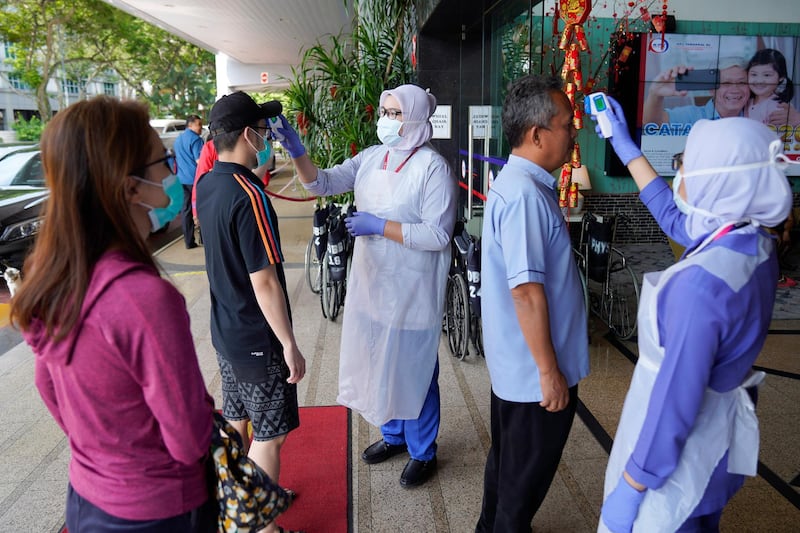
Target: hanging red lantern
[574,13]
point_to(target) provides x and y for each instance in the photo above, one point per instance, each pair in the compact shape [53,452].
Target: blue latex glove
[291,141]
[621,507]
[362,223]
[620,139]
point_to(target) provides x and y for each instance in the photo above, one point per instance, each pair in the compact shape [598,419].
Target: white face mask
[680,203]
[389,131]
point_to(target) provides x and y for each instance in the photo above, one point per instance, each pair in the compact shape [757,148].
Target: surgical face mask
[389,131]
[161,216]
[680,203]
[263,155]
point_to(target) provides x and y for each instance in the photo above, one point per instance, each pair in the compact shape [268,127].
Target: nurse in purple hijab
[688,433]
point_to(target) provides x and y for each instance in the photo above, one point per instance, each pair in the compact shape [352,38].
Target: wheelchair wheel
[331,293]
[621,300]
[313,267]
[457,304]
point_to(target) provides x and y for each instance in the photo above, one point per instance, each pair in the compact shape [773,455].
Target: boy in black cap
[251,328]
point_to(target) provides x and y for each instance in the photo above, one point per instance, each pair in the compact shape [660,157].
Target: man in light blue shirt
[534,318]
[187,151]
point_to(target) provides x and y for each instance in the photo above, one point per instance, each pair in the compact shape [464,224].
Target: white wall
[233,76]
[787,11]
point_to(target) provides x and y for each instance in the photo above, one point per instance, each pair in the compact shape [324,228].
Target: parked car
[22,194]
[22,169]
[169,129]
[20,221]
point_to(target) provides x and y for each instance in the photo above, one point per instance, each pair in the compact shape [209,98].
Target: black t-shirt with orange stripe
[240,236]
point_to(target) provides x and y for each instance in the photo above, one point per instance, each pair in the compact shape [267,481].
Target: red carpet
[315,463]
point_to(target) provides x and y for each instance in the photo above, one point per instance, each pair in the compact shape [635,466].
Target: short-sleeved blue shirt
[240,236]
[187,149]
[525,240]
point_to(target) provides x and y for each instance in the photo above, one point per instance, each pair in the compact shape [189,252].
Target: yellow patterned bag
[248,499]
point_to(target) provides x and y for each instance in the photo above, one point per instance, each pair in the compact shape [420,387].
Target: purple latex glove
[621,507]
[620,139]
[291,141]
[362,223]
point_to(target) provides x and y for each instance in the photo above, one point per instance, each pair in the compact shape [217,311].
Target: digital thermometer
[596,104]
[274,123]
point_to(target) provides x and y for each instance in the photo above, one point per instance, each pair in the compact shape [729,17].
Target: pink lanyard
[386,160]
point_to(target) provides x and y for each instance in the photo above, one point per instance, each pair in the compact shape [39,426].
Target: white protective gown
[395,293]
[726,421]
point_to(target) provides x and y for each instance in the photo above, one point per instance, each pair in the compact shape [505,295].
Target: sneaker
[785,282]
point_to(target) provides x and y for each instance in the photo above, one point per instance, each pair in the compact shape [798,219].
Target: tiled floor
[34,452]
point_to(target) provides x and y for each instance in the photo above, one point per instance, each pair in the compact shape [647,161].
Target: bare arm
[530,304]
[269,295]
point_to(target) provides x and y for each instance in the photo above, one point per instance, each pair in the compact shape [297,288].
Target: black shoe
[191,245]
[417,472]
[379,451]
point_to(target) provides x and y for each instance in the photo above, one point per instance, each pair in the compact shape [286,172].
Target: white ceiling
[257,32]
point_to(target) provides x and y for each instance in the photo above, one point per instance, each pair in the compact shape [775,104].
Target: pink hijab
[417,105]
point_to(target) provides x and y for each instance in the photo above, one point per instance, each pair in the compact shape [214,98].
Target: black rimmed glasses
[677,161]
[169,161]
[391,113]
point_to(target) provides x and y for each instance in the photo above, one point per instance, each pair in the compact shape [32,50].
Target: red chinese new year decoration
[574,13]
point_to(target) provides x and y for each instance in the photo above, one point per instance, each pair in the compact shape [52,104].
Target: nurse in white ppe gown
[405,194]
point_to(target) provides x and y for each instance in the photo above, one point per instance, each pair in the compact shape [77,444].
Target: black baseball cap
[236,110]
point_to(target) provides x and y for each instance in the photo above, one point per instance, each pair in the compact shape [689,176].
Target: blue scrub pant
[419,434]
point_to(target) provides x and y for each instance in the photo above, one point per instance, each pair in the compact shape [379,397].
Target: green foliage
[335,90]
[28,130]
[83,39]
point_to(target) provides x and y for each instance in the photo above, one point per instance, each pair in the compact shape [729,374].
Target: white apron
[393,309]
[726,421]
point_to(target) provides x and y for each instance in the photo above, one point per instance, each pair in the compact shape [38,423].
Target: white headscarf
[417,106]
[733,170]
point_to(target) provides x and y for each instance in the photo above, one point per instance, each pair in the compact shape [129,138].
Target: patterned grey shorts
[261,395]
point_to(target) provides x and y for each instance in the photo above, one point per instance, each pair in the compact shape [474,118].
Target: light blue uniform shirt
[525,239]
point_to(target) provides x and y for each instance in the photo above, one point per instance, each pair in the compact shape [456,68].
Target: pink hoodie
[126,388]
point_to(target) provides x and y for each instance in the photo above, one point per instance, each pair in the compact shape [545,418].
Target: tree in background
[84,40]
[335,90]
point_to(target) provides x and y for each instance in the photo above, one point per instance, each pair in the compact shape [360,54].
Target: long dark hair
[88,149]
[770,56]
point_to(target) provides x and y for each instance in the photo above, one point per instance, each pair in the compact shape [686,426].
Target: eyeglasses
[169,161]
[391,113]
[677,161]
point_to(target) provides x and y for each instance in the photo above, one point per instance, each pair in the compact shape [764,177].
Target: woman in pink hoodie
[115,360]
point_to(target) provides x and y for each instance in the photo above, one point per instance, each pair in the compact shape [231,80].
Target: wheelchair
[462,316]
[328,257]
[611,288]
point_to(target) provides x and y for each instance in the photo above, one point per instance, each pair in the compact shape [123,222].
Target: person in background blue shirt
[187,151]
[534,317]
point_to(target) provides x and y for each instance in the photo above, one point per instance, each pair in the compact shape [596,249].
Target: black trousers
[188,220]
[527,441]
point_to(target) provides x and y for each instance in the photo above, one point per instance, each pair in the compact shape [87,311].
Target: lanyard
[386,160]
